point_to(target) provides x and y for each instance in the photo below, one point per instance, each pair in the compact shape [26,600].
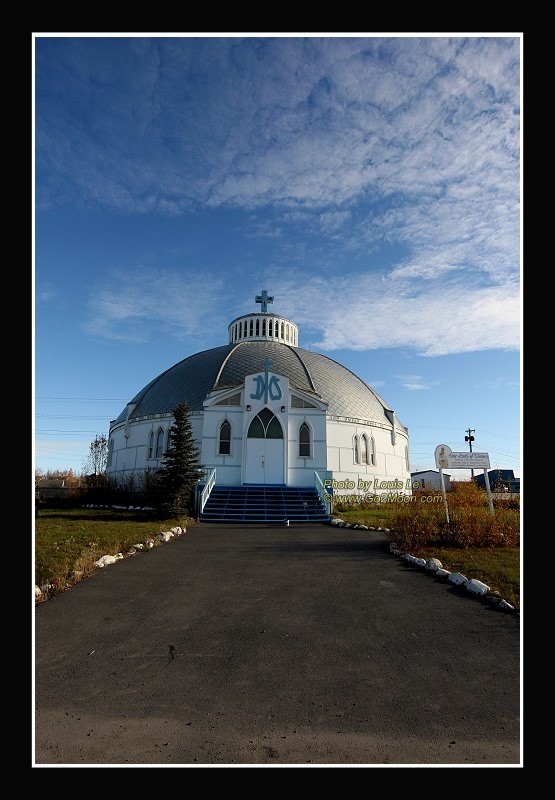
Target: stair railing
[324,492]
[208,486]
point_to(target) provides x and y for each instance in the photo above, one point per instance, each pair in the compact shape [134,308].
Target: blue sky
[370,182]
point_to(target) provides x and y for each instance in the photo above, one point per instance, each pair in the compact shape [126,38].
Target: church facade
[265,411]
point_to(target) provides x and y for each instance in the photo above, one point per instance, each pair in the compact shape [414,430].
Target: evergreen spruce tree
[181,470]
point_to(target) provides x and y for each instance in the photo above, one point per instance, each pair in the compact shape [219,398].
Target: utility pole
[469,438]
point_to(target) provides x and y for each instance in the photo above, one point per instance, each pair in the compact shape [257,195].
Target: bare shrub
[471,523]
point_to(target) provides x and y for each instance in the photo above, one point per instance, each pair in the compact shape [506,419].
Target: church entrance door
[264,461]
[265,449]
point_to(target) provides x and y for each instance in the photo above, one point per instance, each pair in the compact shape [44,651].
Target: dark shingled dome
[191,380]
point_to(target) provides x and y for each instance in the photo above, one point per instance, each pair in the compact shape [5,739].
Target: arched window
[304,441]
[256,429]
[372,459]
[159,443]
[151,444]
[251,327]
[363,449]
[263,327]
[245,329]
[265,426]
[356,450]
[224,445]
[270,327]
[258,327]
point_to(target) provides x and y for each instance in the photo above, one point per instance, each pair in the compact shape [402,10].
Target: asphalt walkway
[245,646]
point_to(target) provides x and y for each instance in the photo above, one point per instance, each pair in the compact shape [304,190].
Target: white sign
[446,459]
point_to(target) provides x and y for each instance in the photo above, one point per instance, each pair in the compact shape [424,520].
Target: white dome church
[267,413]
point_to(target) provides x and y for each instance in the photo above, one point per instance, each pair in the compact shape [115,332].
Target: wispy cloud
[436,319]
[410,144]
[432,318]
[146,304]
[415,383]
[501,383]
[46,295]
[284,121]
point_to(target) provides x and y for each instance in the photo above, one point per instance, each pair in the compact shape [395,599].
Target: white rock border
[435,567]
[476,587]
[108,559]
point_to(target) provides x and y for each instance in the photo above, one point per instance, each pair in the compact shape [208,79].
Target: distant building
[429,479]
[500,480]
[48,488]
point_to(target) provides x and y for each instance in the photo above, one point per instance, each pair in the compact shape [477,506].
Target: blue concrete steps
[263,504]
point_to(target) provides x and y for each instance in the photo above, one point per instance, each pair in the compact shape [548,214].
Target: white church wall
[228,467]
[336,454]
[227,474]
[395,463]
[390,466]
[214,416]
[300,471]
[130,453]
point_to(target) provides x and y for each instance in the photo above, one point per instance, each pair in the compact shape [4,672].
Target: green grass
[497,567]
[69,541]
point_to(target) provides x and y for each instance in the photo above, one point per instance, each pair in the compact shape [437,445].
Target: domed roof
[191,380]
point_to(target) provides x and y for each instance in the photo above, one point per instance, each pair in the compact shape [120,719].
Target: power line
[67,416]
[69,433]
[84,399]
[443,428]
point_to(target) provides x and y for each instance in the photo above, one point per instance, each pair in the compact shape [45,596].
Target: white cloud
[284,121]
[363,143]
[46,295]
[415,383]
[140,305]
[432,318]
